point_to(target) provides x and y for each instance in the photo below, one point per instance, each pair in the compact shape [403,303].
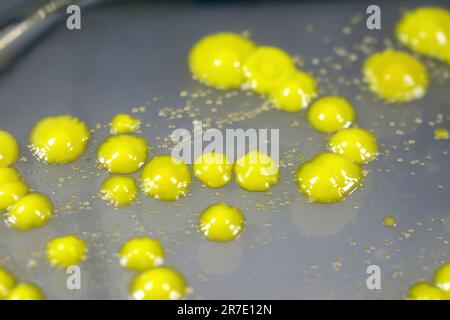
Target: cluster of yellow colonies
[163,178]
[255,171]
[226,60]
[167,178]
[397,76]
[230,61]
[62,139]
[153,281]
[24,210]
[120,154]
[53,140]
[439,290]
[10,289]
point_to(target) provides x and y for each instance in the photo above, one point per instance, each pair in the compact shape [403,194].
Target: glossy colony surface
[59,139]
[396,76]
[328,177]
[221,222]
[141,253]
[159,283]
[427,31]
[165,178]
[66,251]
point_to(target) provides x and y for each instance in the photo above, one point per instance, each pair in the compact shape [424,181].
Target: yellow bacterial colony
[295,93]
[266,67]
[357,144]
[330,114]
[213,169]
[124,123]
[217,60]
[389,221]
[12,187]
[25,291]
[221,222]
[441,134]
[119,190]
[123,153]
[328,177]
[396,76]
[59,139]
[256,171]
[426,31]
[31,211]
[442,278]
[141,254]
[7,283]
[66,251]
[165,178]
[9,149]
[160,283]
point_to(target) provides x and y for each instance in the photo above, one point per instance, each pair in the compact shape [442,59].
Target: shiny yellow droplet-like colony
[441,134]
[389,221]
[123,154]
[165,178]
[356,144]
[256,171]
[266,68]
[66,251]
[25,291]
[442,278]
[213,169]
[9,149]
[141,253]
[330,114]
[295,93]
[31,211]
[124,123]
[160,283]
[426,291]
[221,222]
[427,31]
[59,139]
[7,283]
[12,187]
[328,177]
[119,190]
[217,59]
[396,76]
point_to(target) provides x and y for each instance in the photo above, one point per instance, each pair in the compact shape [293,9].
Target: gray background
[129,56]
